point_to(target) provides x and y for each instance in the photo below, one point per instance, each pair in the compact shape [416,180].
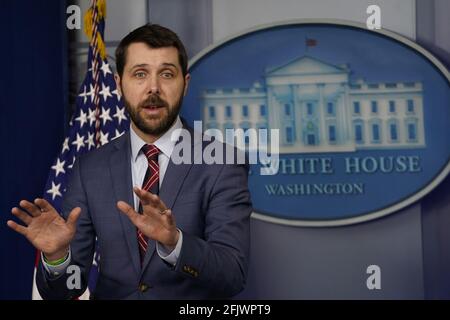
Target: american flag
[99,117]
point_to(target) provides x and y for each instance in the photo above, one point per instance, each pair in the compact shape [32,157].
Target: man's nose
[153,85]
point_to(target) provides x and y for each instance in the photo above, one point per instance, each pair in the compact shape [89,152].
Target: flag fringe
[89,25]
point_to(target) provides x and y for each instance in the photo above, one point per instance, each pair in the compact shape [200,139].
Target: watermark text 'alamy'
[259,147]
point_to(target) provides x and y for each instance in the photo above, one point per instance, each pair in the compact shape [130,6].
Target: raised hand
[45,228]
[156,222]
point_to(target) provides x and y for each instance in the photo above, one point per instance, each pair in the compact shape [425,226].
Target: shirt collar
[164,143]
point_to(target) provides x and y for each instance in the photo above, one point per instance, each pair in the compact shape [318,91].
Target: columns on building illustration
[273,109]
[346,113]
[321,123]
[298,113]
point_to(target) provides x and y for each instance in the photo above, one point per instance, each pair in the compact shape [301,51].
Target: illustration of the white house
[317,109]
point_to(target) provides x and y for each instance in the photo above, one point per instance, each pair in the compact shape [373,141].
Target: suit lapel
[120,166]
[176,173]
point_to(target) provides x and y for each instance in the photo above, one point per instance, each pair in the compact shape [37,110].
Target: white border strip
[366,217]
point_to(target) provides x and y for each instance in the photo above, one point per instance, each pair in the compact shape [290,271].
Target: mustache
[154,100]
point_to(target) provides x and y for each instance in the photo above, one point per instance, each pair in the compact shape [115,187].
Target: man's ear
[187,78]
[119,87]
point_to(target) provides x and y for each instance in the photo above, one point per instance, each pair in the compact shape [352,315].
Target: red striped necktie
[151,184]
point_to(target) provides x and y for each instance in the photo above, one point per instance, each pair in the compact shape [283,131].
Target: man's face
[153,86]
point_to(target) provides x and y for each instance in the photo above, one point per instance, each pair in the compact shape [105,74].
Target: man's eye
[139,74]
[167,75]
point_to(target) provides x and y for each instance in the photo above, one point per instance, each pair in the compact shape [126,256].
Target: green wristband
[56,262]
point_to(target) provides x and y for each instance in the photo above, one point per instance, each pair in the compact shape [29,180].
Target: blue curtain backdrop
[33,102]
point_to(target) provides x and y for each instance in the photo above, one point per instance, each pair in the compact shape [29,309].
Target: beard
[155,125]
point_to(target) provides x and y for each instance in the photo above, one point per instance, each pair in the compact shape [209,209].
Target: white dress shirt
[139,165]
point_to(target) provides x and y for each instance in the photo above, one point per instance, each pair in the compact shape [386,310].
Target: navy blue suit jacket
[212,207]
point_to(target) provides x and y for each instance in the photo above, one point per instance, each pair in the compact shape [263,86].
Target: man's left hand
[156,221]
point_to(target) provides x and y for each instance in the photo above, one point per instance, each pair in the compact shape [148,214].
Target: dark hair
[155,36]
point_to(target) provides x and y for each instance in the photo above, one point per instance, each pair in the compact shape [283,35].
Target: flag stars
[82,118]
[118,134]
[73,162]
[91,92]
[91,116]
[59,167]
[98,104]
[65,145]
[83,94]
[105,92]
[105,68]
[79,142]
[54,191]
[117,93]
[120,114]
[103,138]
[105,115]
[90,141]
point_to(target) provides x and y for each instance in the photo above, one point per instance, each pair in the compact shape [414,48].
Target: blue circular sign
[363,117]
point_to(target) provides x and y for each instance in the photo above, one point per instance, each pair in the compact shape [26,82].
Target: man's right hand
[46,229]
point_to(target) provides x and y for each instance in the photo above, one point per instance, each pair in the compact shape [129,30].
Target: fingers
[167,212]
[144,196]
[17,227]
[73,217]
[148,198]
[22,215]
[44,205]
[168,217]
[33,209]
[128,210]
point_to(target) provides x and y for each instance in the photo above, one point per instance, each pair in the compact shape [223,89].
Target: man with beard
[164,230]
